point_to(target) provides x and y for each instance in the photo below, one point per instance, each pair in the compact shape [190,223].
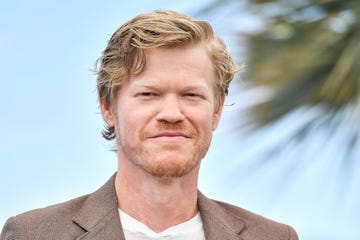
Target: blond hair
[124,54]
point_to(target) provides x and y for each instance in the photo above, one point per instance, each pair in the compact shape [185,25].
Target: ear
[217,114]
[107,113]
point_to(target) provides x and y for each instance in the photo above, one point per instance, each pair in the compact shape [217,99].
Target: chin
[171,169]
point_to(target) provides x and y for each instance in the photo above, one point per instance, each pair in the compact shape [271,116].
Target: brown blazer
[96,217]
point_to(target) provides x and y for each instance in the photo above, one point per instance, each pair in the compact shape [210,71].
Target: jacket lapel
[99,216]
[218,223]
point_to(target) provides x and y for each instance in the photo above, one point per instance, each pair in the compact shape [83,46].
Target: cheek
[204,121]
[133,124]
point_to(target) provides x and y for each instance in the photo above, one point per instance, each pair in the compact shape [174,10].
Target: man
[162,81]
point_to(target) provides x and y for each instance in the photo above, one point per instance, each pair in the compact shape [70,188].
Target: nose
[170,110]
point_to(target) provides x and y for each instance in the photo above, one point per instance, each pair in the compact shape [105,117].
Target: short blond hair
[124,54]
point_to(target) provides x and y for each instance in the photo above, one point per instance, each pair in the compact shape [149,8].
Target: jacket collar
[218,223]
[99,217]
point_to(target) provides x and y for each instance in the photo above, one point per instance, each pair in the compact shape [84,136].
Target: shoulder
[66,220]
[260,224]
[248,216]
[246,224]
[52,220]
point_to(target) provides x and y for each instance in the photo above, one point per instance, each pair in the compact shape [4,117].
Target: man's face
[165,116]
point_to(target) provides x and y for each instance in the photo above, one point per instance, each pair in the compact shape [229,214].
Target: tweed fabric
[96,217]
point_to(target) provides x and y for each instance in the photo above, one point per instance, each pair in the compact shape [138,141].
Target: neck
[157,202]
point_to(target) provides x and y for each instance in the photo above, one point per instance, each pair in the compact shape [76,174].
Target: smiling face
[165,116]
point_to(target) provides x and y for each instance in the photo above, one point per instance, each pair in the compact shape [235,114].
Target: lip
[170,135]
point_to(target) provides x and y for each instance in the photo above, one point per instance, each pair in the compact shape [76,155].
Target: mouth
[170,135]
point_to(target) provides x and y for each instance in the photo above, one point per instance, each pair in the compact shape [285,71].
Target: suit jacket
[96,217]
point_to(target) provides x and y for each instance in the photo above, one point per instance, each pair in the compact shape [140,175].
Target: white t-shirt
[135,230]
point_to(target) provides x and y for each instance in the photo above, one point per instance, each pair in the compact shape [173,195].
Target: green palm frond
[306,62]
[307,56]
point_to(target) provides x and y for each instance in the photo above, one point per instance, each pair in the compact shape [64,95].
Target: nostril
[169,117]
[170,114]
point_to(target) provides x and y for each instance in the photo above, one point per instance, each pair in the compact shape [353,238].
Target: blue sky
[51,146]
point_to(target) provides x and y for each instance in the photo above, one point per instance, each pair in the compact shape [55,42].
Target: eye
[147,94]
[191,94]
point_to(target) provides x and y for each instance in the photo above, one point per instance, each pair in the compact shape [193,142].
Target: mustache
[168,126]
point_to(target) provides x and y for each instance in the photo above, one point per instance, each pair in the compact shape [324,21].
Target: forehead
[178,63]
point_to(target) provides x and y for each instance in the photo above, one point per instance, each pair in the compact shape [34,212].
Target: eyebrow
[195,87]
[156,86]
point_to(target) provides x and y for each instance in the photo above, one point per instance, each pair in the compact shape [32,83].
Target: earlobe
[107,114]
[217,115]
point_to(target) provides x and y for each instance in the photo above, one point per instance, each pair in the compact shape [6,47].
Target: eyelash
[152,94]
[147,94]
[191,95]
